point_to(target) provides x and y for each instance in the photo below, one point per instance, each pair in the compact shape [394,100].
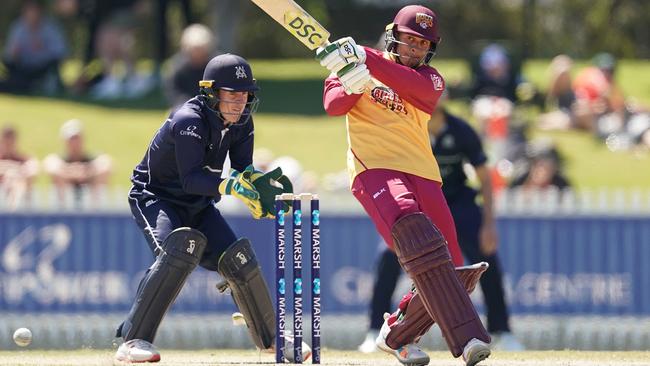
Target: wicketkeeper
[388,98]
[175,189]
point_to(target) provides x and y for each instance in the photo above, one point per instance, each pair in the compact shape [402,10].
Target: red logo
[389,99]
[424,20]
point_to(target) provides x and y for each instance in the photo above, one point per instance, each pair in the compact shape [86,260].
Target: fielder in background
[454,142]
[388,98]
[175,189]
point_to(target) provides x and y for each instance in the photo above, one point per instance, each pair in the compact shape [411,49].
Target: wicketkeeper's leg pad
[413,320]
[238,266]
[422,252]
[182,251]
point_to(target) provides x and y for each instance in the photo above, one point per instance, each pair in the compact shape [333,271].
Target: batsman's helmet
[415,20]
[232,73]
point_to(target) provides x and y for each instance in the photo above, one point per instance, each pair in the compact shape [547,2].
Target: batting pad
[182,250]
[417,321]
[239,267]
[422,252]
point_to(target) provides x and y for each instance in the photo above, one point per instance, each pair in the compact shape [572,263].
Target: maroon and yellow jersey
[387,124]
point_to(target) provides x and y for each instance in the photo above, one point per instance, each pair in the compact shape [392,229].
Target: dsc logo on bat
[305,28]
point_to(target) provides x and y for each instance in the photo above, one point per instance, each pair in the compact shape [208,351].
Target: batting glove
[355,80]
[239,185]
[340,54]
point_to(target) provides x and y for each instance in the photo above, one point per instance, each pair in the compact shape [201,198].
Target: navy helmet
[229,72]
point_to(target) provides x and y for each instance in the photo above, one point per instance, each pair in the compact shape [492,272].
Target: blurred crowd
[75,173]
[587,99]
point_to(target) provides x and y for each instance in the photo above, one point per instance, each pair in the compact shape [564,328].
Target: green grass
[291,121]
[317,141]
[329,357]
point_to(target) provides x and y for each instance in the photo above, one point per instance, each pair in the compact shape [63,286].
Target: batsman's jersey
[387,124]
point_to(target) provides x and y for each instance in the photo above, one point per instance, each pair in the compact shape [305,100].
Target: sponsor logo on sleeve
[190,131]
[437,82]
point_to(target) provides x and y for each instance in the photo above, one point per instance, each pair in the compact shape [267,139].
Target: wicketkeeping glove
[239,185]
[269,185]
[340,54]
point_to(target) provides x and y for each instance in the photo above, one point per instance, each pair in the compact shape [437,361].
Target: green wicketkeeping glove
[239,185]
[269,185]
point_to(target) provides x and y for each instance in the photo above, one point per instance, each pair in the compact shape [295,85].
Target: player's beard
[410,61]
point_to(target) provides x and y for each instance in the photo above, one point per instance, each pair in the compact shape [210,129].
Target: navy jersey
[183,162]
[456,143]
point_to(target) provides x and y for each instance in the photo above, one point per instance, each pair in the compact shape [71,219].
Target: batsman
[173,200]
[388,98]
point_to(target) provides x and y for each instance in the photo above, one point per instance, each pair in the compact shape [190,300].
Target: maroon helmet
[415,20]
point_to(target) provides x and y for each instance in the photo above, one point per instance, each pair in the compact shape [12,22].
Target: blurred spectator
[503,136]
[597,93]
[303,181]
[197,44]
[162,7]
[495,75]
[17,171]
[601,107]
[77,169]
[560,99]
[545,168]
[34,48]
[111,39]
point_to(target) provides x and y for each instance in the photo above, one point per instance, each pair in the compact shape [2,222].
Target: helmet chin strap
[391,47]
[398,58]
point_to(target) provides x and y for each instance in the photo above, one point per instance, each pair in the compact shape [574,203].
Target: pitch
[330,357]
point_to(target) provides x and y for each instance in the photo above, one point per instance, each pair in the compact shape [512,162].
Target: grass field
[291,121]
[329,357]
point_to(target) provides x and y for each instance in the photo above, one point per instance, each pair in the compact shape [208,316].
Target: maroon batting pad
[416,321]
[422,252]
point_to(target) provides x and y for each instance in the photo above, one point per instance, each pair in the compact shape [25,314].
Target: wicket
[280,282]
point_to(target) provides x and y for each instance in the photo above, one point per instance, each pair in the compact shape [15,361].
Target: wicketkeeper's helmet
[229,72]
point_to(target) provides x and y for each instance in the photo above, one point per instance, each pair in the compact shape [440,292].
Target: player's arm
[189,138]
[335,100]
[421,87]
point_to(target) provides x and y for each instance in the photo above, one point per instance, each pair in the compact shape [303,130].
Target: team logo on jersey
[189,131]
[437,82]
[424,20]
[240,73]
[389,99]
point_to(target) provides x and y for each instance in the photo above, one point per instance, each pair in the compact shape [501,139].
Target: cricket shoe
[475,351]
[137,350]
[409,355]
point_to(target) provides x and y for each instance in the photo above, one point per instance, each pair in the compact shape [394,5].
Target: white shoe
[288,349]
[507,342]
[410,354]
[137,350]
[475,351]
[369,345]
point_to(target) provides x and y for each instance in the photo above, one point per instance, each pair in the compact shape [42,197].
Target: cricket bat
[302,25]
[297,21]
